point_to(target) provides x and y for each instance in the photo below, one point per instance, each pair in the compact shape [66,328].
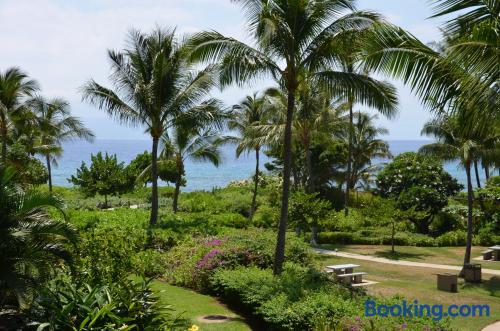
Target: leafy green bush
[126,305]
[301,298]
[266,217]
[295,300]
[194,260]
[376,237]
[149,263]
[452,238]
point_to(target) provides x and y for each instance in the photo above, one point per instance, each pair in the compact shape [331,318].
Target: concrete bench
[487,255]
[355,277]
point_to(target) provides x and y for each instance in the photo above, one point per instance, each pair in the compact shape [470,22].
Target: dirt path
[399,262]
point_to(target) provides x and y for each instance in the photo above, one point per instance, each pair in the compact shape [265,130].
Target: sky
[64,43]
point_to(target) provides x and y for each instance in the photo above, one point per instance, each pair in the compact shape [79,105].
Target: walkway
[492,327]
[398,262]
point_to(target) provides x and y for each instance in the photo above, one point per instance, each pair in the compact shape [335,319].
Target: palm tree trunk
[49,170]
[279,256]
[476,170]
[486,171]
[105,201]
[3,130]
[470,197]
[256,184]
[349,162]
[179,165]
[176,195]
[154,180]
[310,188]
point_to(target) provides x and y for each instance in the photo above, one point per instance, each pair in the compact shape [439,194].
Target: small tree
[306,210]
[417,181]
[105,177]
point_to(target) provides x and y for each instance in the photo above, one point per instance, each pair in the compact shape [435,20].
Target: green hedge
[374,237]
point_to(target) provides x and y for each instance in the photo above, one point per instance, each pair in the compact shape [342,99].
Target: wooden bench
[355,277]
[487,255]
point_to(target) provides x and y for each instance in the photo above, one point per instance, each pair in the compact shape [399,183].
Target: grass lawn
[192,305]
[417,283]
[437,255]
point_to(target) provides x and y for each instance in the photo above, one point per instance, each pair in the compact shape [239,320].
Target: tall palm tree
[55,125]
[462,75]
[15,86]
[250,112]
[351,61]
[189,143]
[293,40]
[31,242]
[365,146]
[153,83]
[457,141]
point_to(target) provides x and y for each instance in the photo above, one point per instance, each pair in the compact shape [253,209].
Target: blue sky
[63,43]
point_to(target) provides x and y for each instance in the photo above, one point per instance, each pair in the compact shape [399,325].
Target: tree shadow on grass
[491,285]
[388,254]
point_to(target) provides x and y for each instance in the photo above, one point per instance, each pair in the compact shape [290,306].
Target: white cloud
[62,43]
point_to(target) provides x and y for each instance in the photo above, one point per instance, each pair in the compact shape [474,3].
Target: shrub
[293,301]
[126,305]
[302,298]
[194,260]
[266,217]
[452,238]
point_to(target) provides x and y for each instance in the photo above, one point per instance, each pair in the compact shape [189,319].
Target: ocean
[200,176]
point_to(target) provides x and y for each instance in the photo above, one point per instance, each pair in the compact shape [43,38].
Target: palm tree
[14,87]
[154,83]
[55,125]
[462,75]
[365,146]
[457,141]
[196,144]
[293,40]
[249,113]
[351,61]
[31,242]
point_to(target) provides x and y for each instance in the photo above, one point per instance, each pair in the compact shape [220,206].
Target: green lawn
[437,255]
[417,283]
[192,305]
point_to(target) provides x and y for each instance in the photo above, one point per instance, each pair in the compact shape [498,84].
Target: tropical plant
[126,305]
[247,114]
[105,176]
[417,182]
[29,170]
[456,140]
[306,211]
[462,75]
[365,146]
[55,125]
[294,41]
[184,143]
[32,243]
[154,83]
[15,86]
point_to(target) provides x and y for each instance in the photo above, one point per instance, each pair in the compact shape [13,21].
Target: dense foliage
[105,176]
[417,182]
[32,244]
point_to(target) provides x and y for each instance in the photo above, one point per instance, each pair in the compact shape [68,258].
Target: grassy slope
[417,283]
[192,305]
[437,255]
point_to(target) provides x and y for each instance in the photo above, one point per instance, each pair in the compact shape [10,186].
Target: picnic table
[343,268]
[496,252]
[345,274]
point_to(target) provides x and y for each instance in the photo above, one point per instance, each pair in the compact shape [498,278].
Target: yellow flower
[194,328]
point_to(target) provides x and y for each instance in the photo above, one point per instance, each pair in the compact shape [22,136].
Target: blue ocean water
[200,176]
